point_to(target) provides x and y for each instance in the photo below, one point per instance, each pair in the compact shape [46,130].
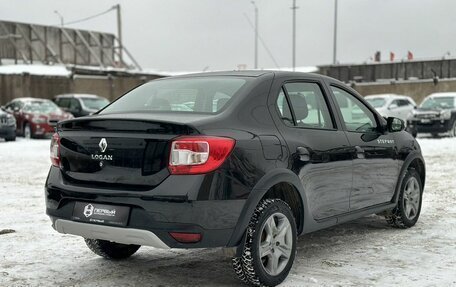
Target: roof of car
[390,96]
[77,96]
[252,73]
[28,99]
[439,95]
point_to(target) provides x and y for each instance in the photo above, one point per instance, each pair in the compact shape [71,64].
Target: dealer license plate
[101,213]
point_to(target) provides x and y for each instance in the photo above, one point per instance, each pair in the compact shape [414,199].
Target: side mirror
[16,109]
[395,125]
[393,106]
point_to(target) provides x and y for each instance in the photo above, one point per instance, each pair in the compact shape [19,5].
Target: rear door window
[284,109]
[309,106]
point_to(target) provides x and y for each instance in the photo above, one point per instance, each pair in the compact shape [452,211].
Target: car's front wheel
[111,250]
[270,245]
[408,208]
[453,130]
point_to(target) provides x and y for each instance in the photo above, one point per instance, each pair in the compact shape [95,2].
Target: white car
[392,105]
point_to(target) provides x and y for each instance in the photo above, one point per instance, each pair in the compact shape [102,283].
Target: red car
[36,117]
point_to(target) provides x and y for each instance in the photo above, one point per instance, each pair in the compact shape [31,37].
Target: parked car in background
[7,126]
[35,117]
[392,105]
[80,105]
[261,158]
[435,115]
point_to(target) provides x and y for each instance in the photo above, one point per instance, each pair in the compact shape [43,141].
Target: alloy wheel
[412,195]
[276,243]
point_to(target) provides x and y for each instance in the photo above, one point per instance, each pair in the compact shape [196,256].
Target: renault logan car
[275,157]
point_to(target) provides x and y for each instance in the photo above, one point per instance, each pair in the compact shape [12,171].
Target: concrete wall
[415,89]
[25,85]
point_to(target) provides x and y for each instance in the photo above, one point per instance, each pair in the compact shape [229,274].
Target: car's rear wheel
[408,208]
[270,245]
[27,131]
[111,250]
[10,139]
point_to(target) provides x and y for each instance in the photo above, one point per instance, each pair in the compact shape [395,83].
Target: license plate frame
[425,121]
[105,214]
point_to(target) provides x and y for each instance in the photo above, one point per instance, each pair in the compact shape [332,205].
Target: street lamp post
[294,35]
[60,16]
[256,34]
[335,34]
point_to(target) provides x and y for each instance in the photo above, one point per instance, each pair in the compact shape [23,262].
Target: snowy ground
[365,252]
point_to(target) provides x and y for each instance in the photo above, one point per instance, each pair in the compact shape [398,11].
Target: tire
[27,131]
[273,225]
[111,250]
[408,208]
[10,139]
[452,132]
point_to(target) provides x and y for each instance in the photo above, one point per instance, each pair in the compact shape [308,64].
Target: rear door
[375,166]
[319,151]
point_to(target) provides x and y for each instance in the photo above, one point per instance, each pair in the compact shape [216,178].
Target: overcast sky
[190,35]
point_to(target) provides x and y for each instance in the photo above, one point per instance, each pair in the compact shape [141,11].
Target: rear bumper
[7,131]
[215,220]
[435,126]
[42,129]
[116,234]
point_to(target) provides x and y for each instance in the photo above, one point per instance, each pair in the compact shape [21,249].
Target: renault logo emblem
[103,145]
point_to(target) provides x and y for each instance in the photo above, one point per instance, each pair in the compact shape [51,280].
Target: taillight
[184,237]
[198,154]
[55,150]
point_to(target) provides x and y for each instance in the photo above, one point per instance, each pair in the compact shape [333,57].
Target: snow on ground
[365,252]
[43,70]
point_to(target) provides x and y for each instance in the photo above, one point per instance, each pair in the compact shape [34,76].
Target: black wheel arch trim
[270,179]
[408,160]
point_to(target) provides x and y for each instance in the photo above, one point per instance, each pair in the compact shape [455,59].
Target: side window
[64,102]
[284,109]
[10,106]
[357,117]
[403,103]
[74,105]
[309,105]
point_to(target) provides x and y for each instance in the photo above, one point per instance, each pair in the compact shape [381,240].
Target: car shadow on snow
[207,267]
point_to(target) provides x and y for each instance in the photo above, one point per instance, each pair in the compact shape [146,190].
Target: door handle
[359,152]
[304,154]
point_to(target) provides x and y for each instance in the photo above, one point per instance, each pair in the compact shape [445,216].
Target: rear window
[94,103]
[191,95]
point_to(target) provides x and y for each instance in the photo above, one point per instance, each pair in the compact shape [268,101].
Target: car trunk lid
[117,153]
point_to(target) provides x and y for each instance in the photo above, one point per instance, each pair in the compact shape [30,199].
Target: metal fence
[28,43]
[404,70]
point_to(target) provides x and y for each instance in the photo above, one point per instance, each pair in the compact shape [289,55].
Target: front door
[320,153]
[375,168]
